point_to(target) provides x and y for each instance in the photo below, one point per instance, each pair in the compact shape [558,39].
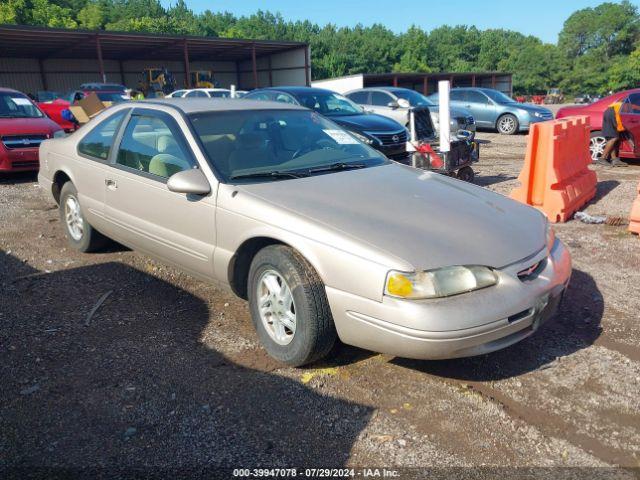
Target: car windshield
[498,97]
[328,104]
[111,96]
[250,145]
[414,98]
[16,105]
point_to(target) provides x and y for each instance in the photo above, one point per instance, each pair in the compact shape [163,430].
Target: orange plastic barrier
[634,217]
[556,178]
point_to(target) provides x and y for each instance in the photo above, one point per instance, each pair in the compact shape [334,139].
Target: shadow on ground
[486,180]
[136,388]
[574,327]
[18,177]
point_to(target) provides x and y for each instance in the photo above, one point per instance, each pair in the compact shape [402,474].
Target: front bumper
[19,160]
[465,325]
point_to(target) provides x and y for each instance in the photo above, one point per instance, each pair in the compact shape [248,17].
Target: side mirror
[393,104]
[189,181]
[404,103]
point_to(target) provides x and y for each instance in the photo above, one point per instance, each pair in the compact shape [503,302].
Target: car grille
[25,164]
[465,120]
[12,142]
[547,116]
[392,138]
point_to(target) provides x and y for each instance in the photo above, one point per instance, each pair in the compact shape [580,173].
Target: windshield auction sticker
[341,137]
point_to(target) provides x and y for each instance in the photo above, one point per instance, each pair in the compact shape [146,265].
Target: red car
[594,111]
[22,128]
[54,108]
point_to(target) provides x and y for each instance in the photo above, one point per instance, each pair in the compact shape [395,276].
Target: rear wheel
[596,145]
[80,234]
[507,124]
[289,306]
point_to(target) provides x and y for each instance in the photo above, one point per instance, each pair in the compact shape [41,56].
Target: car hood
[424,219]
[369,122]
[16,126]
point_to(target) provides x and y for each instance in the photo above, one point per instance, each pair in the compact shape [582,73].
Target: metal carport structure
[36,58]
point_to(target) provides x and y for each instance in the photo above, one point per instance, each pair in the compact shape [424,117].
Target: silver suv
[395,102]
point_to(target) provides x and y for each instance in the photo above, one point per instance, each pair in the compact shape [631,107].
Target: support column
[121,72]
[254,64]
[187,70]
[103,76]
[43,75]
[270,71]
[395,80]
[425,86]
[493,81]
[307,74]
[450,81]
[473,80]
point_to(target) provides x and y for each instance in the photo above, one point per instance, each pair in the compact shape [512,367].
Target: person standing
[614,132]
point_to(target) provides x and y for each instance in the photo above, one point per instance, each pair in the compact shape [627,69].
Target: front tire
[289,306]
[596,145]
[507,124]
[80,234]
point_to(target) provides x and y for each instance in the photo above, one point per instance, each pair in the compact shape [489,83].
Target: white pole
[445,129]
[233,91]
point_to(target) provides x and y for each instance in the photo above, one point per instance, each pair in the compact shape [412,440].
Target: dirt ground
[167,376]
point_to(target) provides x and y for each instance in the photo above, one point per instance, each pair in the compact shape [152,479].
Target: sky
[542,18]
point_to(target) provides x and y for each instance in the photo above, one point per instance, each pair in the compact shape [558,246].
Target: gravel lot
[167,377]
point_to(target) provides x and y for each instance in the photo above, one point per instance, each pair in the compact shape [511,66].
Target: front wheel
[80,234]
[507,124]
[289,306]
[596,145]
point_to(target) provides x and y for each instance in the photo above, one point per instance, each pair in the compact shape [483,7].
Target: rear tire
[596,145]
[289,306]
[507,124]
[80,234]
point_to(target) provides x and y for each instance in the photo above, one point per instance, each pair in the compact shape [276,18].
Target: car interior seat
[165,165]
[252,151]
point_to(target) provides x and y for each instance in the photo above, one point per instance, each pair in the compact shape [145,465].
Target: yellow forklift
[201,79]
[156,82]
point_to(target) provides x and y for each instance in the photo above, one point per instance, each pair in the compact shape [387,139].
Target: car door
[144,214]
[481,107]
[630,116]
[91,166]
[380,104]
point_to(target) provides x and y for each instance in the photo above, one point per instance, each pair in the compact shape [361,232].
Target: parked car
[177,94]
[382,133]
[108,87]
[594,111]
[207,93]
[324,236]
[54,108]
[494,110]
[395,103]
[584,98]
[23,127]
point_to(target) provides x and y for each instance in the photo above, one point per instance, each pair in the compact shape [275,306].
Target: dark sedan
[383,134]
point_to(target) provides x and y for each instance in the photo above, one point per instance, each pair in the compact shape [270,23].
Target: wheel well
[241,262]
[59,179]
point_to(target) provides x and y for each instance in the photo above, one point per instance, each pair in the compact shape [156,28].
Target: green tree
[91,16]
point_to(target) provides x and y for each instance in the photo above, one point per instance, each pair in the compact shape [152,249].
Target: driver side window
[154,145]
[476,97]
[380,99]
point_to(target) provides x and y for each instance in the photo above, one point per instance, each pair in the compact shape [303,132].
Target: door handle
[111,184]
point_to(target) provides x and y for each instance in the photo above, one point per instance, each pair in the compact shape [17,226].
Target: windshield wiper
[273,174]
[337,166]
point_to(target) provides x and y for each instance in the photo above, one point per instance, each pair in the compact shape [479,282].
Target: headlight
[537,114]
[361,137]
[59,134]
[551,236]
[442,282]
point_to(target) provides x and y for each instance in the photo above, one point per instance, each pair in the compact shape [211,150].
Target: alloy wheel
[276,306]
[596,147]
[73,217]
[507,124]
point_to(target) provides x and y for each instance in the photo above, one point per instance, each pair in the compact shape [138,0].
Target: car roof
[296,90]
[198,105]
[10,90]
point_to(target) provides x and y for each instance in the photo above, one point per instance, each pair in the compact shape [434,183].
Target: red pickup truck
[630,120]
[23,127]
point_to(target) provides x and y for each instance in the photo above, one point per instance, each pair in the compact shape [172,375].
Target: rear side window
[380,99]
[455,95]
[97,143]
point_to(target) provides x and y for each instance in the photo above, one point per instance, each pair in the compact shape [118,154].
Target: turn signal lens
[399,285]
